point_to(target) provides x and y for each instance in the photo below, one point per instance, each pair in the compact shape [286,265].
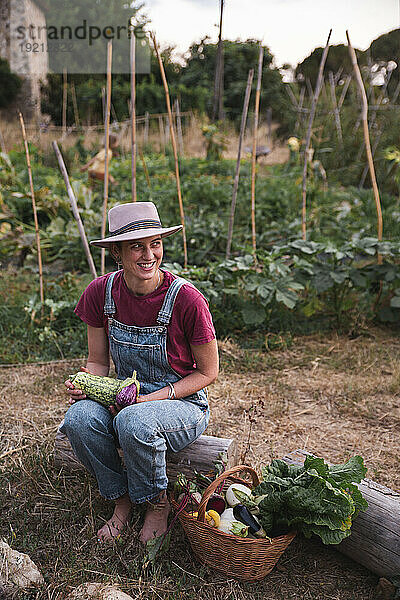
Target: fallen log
[375,534]
[199,456]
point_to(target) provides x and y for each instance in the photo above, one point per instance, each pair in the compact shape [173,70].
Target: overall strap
[109,304]
[164,316]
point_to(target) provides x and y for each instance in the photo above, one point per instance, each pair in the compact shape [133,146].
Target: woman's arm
[98,362]
[207,367]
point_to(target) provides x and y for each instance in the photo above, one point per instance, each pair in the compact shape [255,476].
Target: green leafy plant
[314,498]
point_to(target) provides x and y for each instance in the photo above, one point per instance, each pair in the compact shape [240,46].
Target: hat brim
[136,235]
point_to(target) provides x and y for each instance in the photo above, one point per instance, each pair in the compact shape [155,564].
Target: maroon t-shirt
[191,321]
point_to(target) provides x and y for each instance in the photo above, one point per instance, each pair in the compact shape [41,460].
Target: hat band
[136,225]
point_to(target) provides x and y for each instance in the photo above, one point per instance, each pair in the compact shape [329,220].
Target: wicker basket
[241,558]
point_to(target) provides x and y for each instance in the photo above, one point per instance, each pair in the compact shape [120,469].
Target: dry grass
[330,395]
[193,140]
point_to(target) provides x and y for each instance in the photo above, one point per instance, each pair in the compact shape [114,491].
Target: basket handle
[201,510]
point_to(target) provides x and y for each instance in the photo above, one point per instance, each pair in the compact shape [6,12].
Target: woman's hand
[115,408]
[74,393]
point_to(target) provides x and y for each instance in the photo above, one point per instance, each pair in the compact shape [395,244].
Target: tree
[10,84]
[384,50]
[338,61]
[150,94]
[239,58]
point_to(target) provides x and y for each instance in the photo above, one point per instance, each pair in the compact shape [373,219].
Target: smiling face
[140,260]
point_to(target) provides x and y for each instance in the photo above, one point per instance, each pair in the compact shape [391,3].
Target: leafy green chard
[315,498]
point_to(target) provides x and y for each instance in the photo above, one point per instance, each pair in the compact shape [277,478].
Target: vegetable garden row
[332,280]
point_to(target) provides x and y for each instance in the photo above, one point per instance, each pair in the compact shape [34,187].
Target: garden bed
[335,395]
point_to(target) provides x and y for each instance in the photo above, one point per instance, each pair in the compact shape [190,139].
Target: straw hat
[133,221]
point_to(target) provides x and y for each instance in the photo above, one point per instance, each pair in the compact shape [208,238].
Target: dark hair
[112,139]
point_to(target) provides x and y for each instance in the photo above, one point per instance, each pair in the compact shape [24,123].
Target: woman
[160,326]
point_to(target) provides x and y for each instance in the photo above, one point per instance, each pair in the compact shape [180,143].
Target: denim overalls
[145,431]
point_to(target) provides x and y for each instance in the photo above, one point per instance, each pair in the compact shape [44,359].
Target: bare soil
[330,395]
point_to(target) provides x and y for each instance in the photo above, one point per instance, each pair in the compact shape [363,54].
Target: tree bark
[375,534]
[199,456]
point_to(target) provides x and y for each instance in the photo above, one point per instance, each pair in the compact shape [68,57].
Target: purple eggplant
[127,396]
[242,514]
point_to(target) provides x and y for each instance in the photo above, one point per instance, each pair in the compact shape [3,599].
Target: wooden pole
[335,109]
[107,146]
[377,139]
[179,126]
[162,134]
[292,97]
[218,81]
[364,116]
[2,143]
[254,151]
[75,210]
[28,162]
[146,128]
[133,108]
[269,127]
[64,103]
[308,137]
[172,132]
[344,91]
[167,131]
[75,104]
[299,118]
[145,169]
[375,533]
[103,103]
[236,180]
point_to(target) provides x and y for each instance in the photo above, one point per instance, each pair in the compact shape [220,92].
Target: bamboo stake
[377,139]
[254,151]
[114,114]
[219,71]
[103,102]
[75,104]
[335,109]
[179,126]
[373,115]
[167,131]
[64,103]
[309,88]
[308,136]
[133,108]
[146,128]
[145,169]
[28,162]
[236,180]
[299,118]
[364,116]
[2,143]
[344,91]
[172,133]
[292,97]
[106,145]
[75,210]
[162,134]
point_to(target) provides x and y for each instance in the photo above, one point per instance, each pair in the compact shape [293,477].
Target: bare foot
[156,519]
[113,528]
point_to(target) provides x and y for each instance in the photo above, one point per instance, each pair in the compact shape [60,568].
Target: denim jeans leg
[89,427]
[145,432]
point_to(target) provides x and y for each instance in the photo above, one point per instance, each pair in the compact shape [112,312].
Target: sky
[290,28]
